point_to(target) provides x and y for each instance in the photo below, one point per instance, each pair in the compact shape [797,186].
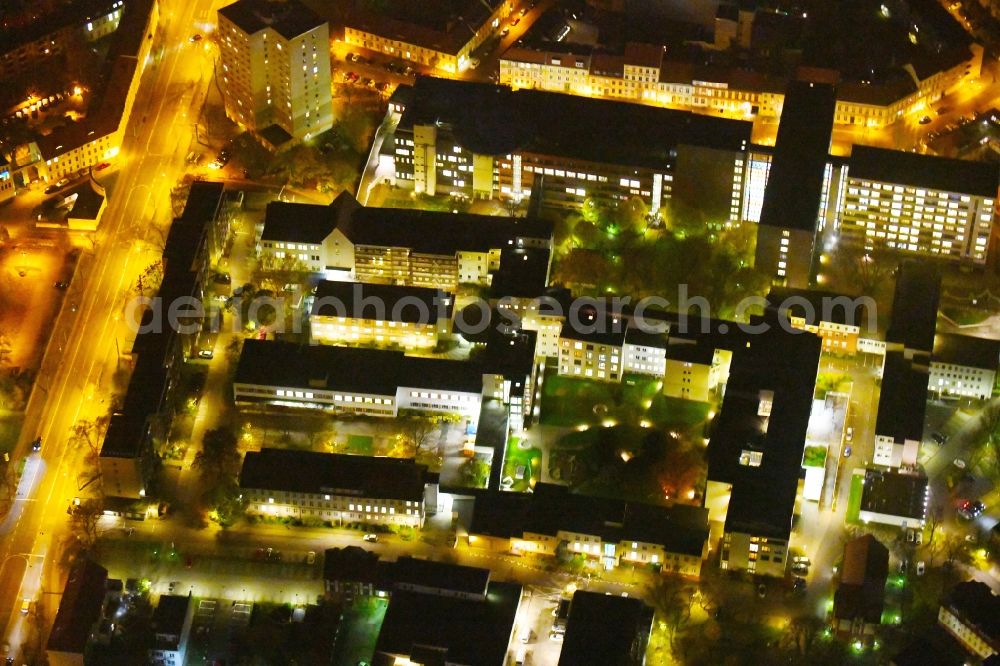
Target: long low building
[334,488]
[964,366]
[385,315]
[610,531]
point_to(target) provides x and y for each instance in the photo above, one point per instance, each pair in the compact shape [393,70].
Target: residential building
[384,315]
[610,531]
[695,369]
[894,498]
[434,34]
[918,204]
[334,488]
[794,198]
[440,579]
[171,624]
[756,448]
[835,318]
[275,69]
[431,628]
[971,614]
[910,338]
[606,629]
[964,366]
[352,572]
[158,351]
[396,246]
[860,596]
[483,140]
[80,612]
[653,75]
[596,345]
[75,147]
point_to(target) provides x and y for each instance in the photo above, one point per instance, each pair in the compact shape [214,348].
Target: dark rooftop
[689,350]
[605,629]
[351,563]
[297,222]
[410,573]
[470,632]
[816,306]
[593,327]
[861,592]
[334,474]
[382,302]
[88,202]
[915,306]
[779,366]
[977,605]
[80,607]
[894,494]
[902,401]
[795,185]
[929,171]
[523,273]
[289,18]
[494,120]
[350,369]
[203,202]
[168,618]
[966,350]
[30,28]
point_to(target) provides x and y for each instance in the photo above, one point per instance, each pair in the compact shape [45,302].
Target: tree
[219,457]
[803,633]
[865,271]
[672,599]
[475,473]
[84,520]
[89,432]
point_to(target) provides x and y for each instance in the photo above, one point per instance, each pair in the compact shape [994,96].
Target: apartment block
[396,246]
[605,629]
[609,531]
[434,34]
[171,625]
[383,315]
[81,611]
[275,69]
[963,366]
[896,498]
[334,488]
[860,596]
[483,140]
[971,614]
[794,200]
[755,452]
[695,369]
[595,345]
[919,204]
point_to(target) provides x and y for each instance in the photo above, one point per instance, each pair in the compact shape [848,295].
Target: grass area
[572,402]
[360,445]
[854,501]
[965,316]
[529,459]
[359,631]
[10,430]
[814,456]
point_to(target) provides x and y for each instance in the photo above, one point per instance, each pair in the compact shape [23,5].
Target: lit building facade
[918,204]
[275,69]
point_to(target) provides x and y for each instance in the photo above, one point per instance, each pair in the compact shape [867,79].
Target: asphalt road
[75,378]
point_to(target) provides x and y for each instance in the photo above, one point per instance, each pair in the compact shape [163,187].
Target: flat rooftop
[440,575]
[381,302]
[966,350]
[605,629]
[79,608]
[817,306]
[289,18]
[927,171]
[915,306]
[795,185]
[495,120]
[334,474]
[894,494]
[902,400]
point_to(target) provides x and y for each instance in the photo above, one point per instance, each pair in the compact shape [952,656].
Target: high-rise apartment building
[275,69]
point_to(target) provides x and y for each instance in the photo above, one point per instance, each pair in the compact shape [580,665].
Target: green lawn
[854,502]
[530,459]
[572,402]
[815,456]
[359,632]
[360,445]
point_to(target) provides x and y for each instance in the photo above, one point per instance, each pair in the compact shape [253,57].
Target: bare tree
[672,600]
[89,432]
[84,521]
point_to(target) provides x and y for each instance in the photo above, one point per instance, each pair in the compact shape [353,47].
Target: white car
[850,433]
[371,538]
[921,568]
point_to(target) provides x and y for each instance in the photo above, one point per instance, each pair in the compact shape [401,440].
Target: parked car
[196,37]
[850,433]
[25,605]
[102,166]
[58,185]
[61,285]
[847,452]
[938,437]
[371,538]
[921,568]
[924,120]
[969,509]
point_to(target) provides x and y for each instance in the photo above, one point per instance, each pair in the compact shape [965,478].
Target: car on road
[762,590]
[938,437]
[800,569]
[25,605]
[371,538]
[847,451]
[311,557]
[102,166]
[799,585]
[959,463]
[36,445]
[924,120]
[850,433]
[515,21]
[206,354]
[365,81]
[921,568]
[969,509]
[504,32]
[801,559]
[196,37]
[353,57]
[61,285]
[56,186]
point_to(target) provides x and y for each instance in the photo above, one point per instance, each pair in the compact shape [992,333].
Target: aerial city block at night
[499,332]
